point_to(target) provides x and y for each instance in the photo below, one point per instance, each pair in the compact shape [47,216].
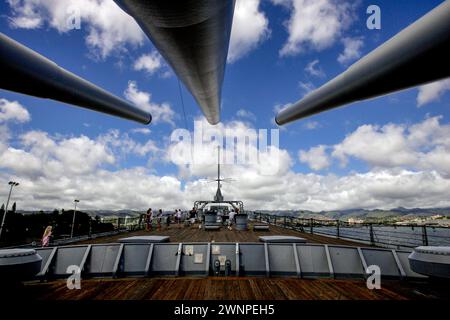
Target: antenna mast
[219,196]
[218,166]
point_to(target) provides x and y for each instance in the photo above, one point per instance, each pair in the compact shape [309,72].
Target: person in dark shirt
[193,215]
[158,219]
[168,217]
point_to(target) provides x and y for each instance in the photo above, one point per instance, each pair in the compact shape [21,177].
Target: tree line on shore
[25,228]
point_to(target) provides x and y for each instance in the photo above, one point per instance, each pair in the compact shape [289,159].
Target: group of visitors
[150,216]
[177,217]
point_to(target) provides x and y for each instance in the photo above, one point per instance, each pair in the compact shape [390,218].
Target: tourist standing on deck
[158,219]
[46,237]
[149,219]
[231,219]
[168,217]
[192,215]
[178,216]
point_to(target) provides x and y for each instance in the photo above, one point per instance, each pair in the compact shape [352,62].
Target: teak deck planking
[228,288]
[219,288]
[180,233]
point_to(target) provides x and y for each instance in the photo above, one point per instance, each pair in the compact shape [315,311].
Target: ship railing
[376,234]
[107,227]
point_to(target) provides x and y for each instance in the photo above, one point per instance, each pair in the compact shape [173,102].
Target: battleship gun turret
[415,56]
[26,71]
[193,36]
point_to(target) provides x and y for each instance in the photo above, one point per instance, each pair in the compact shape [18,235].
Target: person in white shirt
[178,215]
[230,218]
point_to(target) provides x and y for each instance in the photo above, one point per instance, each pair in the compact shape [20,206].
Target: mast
[218,197]
[218,167]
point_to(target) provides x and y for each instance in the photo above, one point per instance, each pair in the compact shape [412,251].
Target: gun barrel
[25,71]
[193,36]
[417,55]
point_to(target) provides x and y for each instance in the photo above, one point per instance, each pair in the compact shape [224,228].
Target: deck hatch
[67,256]
[165,258]
[135,258]
[102,260]
[194,259]
[282,260]
[252,259]
[313,260]
[346,262]
[384,259]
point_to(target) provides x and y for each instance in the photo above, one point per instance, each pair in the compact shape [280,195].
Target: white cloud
[109,29]
[316,158]
[315,24]
[311,125]
[41,155]
[13,111]
[385,146]
[150,63]
[55,169]
[204,156]
[160,112]
[432,92]
[352,50]
[122,144]
[242,113]
[144,131]
[423,146]
[24,15]
[314,69]
[306,87]
[250,28]
[279,107]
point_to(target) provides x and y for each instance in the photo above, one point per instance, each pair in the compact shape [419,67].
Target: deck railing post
[372,238]
[338,233]
[285,222]
[424,236]
[311,225]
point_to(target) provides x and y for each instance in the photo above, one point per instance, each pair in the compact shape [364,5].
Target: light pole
[73,220]
[12,184]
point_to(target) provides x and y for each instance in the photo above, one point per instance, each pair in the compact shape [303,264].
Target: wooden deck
[179,233]
[221,289]
[229,288]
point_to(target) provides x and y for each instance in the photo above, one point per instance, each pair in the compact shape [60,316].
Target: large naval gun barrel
[193,36]
[25,71]
[417,55]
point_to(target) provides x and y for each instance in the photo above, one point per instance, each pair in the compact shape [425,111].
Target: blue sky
[320,152]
